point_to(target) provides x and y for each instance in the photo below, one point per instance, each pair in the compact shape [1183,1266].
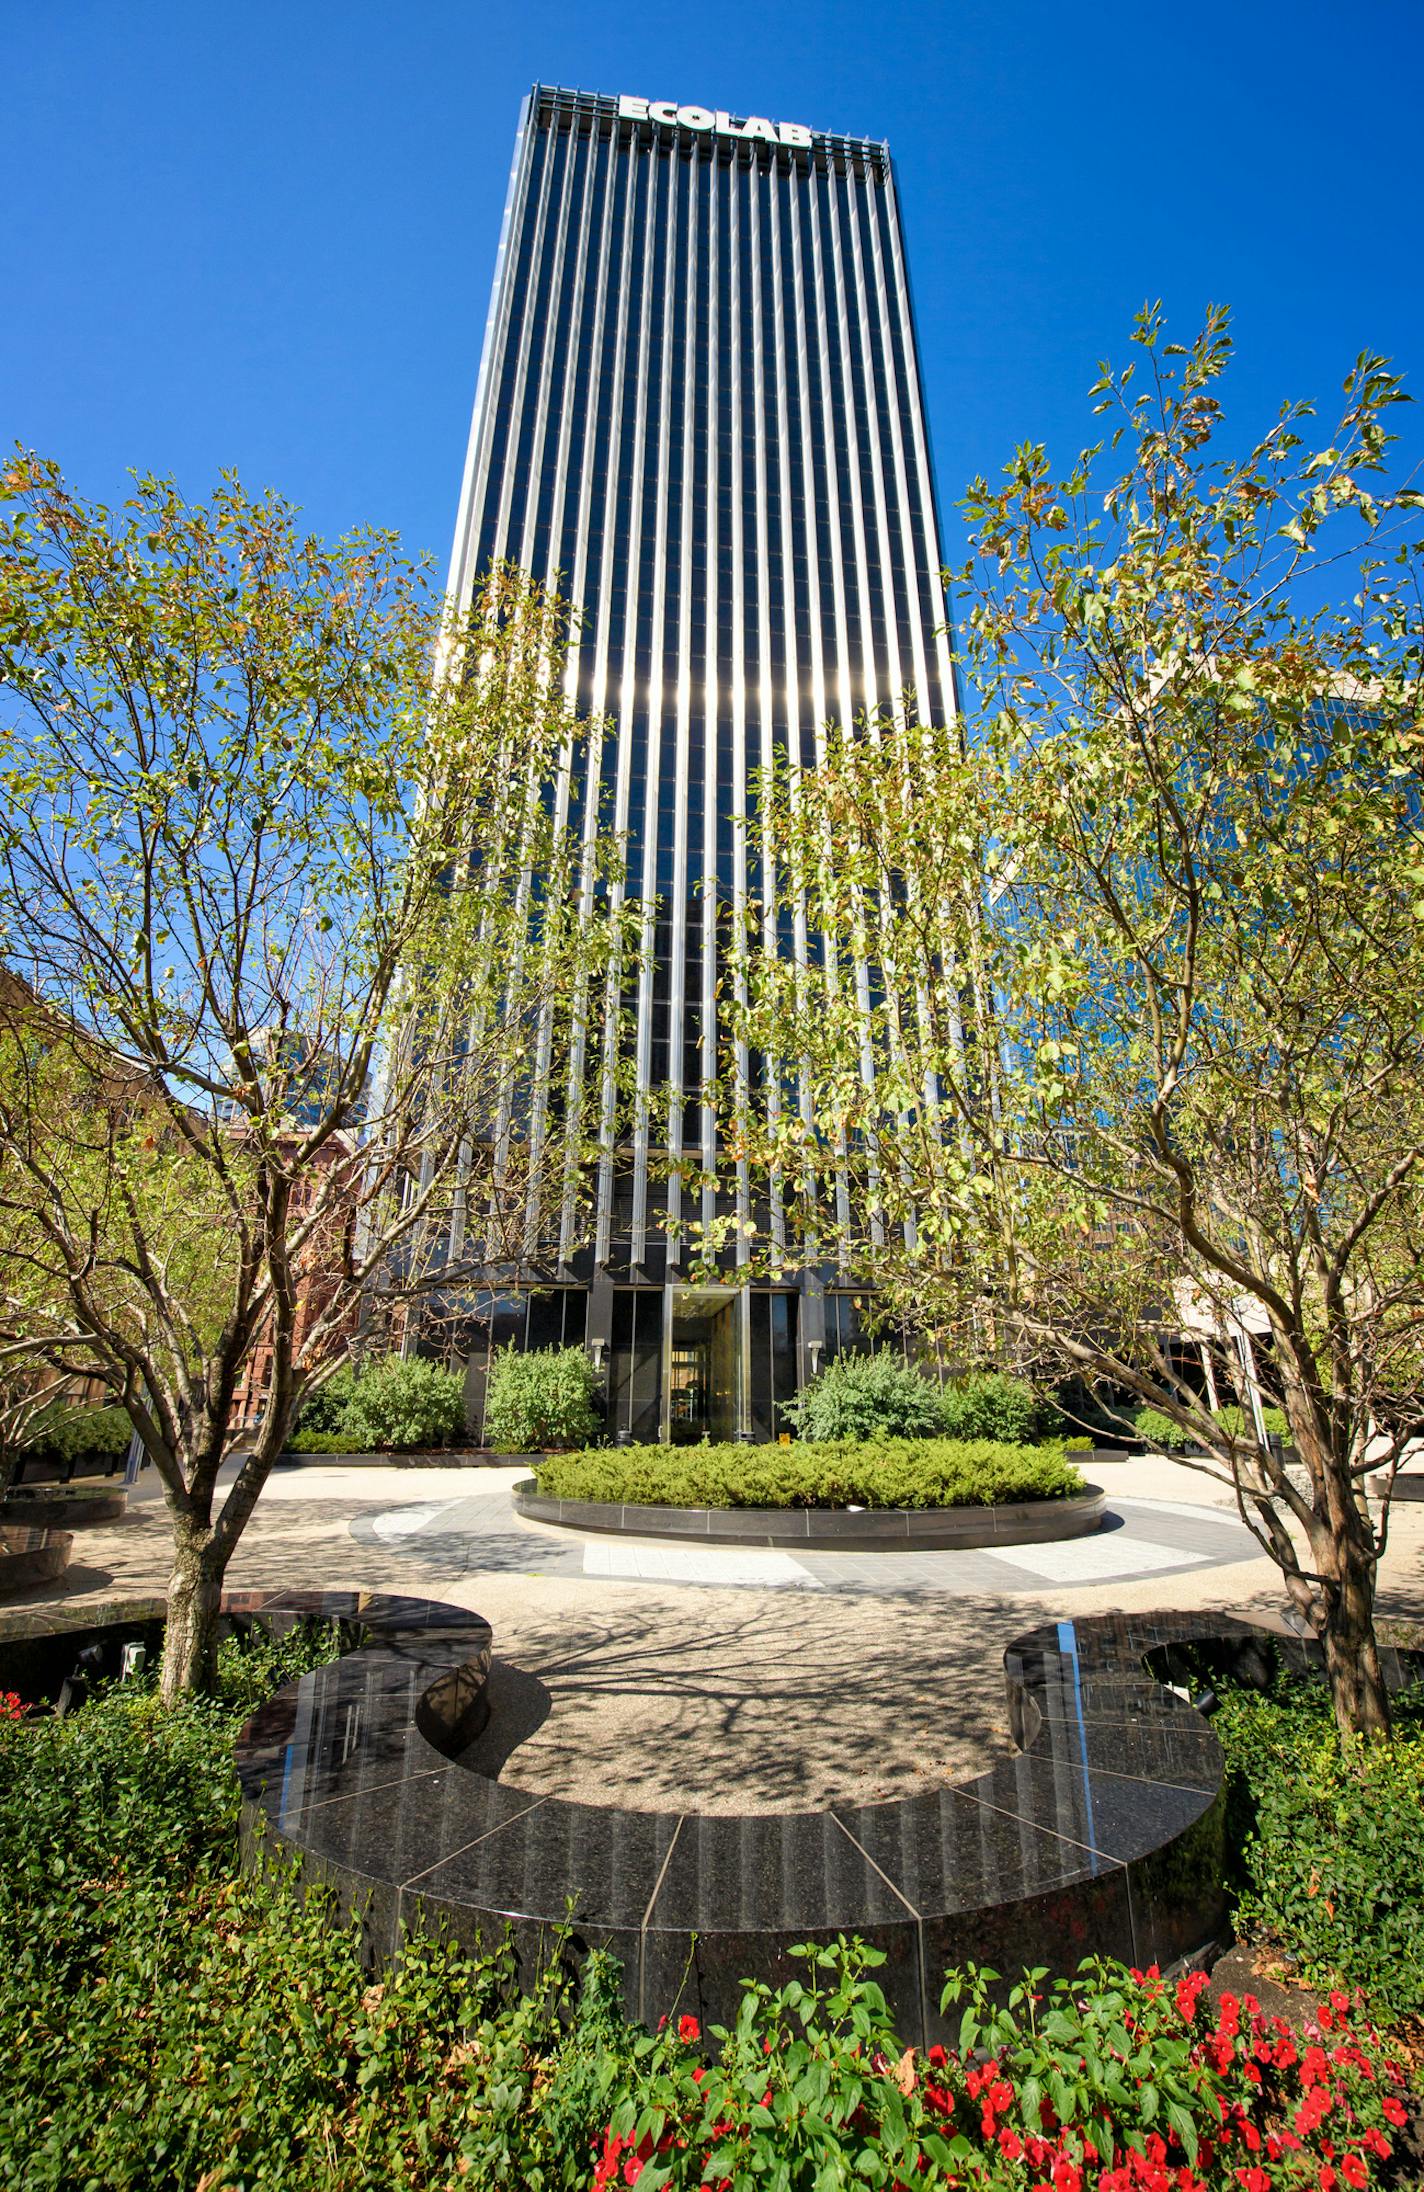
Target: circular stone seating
[30,1557]
[1104,1834]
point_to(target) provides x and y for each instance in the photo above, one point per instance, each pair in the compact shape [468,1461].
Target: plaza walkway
[657,1674]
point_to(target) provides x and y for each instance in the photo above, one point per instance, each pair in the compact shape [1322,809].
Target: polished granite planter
[827,1529]
[29,1557]
[63,1506]
[1104,1835]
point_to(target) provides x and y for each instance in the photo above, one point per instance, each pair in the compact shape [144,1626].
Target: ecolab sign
[716,121]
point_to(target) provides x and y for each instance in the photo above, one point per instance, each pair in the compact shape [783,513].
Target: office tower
[699,408]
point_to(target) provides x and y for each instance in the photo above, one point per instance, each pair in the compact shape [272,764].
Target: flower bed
[889,1473]
[1114,2081]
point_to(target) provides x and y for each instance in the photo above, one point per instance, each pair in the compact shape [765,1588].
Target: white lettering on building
[794,135]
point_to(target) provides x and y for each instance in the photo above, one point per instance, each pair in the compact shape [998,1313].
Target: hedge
[833,1473]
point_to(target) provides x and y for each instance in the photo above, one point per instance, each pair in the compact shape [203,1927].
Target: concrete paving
[729,1691]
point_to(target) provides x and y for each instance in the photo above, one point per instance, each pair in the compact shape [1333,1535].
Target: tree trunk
[1352,1661]
[190,1639]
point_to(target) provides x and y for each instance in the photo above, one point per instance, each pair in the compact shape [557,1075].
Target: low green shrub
[988,1405]
[400,1402]
[1160,1432]
[830,1473]
[323,1442]
[866,1396]
[1236,1420]
[66,1434]
[325,1409]
[1333,1856]
[1170,1438]
[542,1398]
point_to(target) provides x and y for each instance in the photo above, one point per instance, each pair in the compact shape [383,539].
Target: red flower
[1354,2169]
[689,2031]
[1395,2110]
[1067,2177]
[1010,2144]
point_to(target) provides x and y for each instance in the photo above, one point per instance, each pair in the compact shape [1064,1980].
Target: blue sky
[261,237]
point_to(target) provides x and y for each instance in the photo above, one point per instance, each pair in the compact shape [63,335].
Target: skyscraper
[699,409]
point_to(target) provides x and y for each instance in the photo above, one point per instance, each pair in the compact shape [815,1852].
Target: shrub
[323,1442]
[1236,1420]
[1169,1437]
[543,1398]
[67,1434]
[1333,1862]
[842,1473]
[866,1396]
[1160,1432]
[325,1409]
[988,1405]
[402,1402]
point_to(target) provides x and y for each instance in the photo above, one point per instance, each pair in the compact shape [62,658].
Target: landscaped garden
[168,2018]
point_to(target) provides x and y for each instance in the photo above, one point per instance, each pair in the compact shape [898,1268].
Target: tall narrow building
[700,411]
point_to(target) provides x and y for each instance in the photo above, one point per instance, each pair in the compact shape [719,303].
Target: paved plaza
[656,1674]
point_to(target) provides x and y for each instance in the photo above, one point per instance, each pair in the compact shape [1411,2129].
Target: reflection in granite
[1104,1835]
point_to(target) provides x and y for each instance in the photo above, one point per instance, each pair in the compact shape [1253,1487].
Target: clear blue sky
[261,236]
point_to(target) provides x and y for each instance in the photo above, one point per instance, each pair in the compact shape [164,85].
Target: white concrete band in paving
[480,1534]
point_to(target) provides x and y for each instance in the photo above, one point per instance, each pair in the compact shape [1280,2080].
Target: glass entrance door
[705,1370]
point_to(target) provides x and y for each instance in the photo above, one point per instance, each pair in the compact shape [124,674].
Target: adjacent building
[700,411]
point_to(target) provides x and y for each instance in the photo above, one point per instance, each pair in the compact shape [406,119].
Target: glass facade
[699,413]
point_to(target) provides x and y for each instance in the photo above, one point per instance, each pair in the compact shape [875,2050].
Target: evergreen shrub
[66,1434]
[1332,1856]
[403,1402]
[988,1405]
[540,1399]
[394,1403]
[866,1396]
[831,1473]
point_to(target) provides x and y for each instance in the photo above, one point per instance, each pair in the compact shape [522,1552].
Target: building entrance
[705,1371]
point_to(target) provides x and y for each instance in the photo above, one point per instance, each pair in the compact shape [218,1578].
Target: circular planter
[62,1506]
[30,1557]
[829,1529]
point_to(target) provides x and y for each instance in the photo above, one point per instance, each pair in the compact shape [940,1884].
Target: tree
[286,864]
[1114,1016]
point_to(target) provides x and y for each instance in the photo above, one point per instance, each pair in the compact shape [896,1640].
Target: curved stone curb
[1104,1834]
[31,1556]
[51,1507]
[826,1529]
